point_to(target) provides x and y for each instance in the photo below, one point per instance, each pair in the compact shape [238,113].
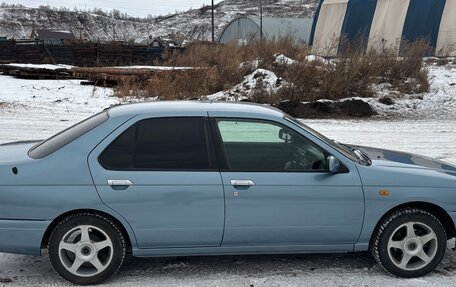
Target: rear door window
[162,144]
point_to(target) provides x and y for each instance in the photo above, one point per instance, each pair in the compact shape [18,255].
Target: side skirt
[249,250]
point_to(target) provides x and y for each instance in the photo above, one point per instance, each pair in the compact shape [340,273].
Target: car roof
[180,107]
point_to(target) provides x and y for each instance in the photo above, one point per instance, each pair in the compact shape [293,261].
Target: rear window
[63,138]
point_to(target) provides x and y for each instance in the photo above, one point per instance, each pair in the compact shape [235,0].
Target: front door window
[251,145]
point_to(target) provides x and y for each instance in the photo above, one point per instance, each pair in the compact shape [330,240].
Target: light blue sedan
[200,178]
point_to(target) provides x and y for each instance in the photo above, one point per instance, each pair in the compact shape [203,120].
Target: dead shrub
[129,87]
[260,94]
[355,73]
[168,85]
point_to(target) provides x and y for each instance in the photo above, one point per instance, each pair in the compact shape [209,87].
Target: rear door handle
[242,182]
[123,182]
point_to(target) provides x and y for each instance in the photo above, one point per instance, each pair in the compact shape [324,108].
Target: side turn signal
[384,193]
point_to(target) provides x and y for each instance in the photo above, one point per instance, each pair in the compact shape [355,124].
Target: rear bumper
[22,236]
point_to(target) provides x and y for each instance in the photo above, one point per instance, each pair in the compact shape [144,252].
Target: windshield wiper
[359,154]
[366,160]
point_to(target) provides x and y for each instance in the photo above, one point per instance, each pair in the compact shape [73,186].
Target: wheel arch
[434,209]
[129,236]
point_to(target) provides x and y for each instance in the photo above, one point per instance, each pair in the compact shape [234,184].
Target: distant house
[3,38]
[144,41]
[53,37]
[157,43]
[162,42]
[166,43]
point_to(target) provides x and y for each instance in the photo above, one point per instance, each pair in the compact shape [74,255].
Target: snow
[42,66]
[250,64]
[314,58]
[162,68]
[224,271]
[439,102]
[36,109]
[283,60]
[266,79]
[185,43]
[431,137]
[193,24]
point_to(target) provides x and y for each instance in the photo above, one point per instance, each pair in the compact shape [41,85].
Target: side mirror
[333,164]
[283,135]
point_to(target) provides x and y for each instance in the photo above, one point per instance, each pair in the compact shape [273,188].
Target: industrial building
[384,24]
[244,30]
[374,24]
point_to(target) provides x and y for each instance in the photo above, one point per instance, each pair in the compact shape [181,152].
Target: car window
[63,138]
[251,145]
[161,144]
[236,131]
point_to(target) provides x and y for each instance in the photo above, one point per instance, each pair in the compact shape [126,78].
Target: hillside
[194,24]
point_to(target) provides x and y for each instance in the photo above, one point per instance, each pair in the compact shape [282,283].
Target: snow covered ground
[41,66]
[236,271]
[32,109]
[438,103]
[37,109]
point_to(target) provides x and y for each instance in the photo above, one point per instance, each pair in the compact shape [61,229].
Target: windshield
[345,150]
[63,138]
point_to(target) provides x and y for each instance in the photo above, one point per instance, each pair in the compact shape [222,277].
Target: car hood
[15,152]
[390,158]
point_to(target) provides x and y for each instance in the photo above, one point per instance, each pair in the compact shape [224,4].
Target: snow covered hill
[194,24]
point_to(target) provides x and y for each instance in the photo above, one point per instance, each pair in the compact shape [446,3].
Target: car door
[161,175]
[279,191]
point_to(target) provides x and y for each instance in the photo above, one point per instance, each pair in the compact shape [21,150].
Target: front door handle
[242,183]
[123,182]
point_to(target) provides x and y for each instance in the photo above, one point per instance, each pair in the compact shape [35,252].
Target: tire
[409,243]
[86,248]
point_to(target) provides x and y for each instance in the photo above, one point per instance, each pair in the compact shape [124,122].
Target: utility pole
[213,23]
[261,19]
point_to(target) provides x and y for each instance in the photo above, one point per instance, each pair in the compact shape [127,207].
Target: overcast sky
[132,7]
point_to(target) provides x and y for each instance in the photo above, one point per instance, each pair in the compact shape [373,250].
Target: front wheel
[410,243]
[86,249]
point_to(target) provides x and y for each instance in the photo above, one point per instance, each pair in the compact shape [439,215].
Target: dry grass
[218,69]
[354,73]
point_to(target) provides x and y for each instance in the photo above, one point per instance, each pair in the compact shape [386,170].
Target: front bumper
[22,236]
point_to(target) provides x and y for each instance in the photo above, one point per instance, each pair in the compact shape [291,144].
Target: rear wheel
[86,248]
[410,243]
